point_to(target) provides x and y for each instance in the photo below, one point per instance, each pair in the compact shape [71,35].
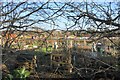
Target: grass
[49,49]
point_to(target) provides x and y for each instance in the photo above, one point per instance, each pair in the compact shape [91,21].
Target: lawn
[49,49]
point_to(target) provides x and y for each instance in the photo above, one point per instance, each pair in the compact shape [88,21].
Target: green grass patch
[46,49]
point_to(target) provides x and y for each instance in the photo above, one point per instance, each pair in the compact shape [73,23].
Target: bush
[21,74]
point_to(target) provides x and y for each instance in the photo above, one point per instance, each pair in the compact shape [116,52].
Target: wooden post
[85,42]
[51,60]
[69,62]
[71,43]
[0,62]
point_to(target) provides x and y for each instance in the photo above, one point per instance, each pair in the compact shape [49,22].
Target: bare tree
[101,20]
[21,16]
[95,18]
